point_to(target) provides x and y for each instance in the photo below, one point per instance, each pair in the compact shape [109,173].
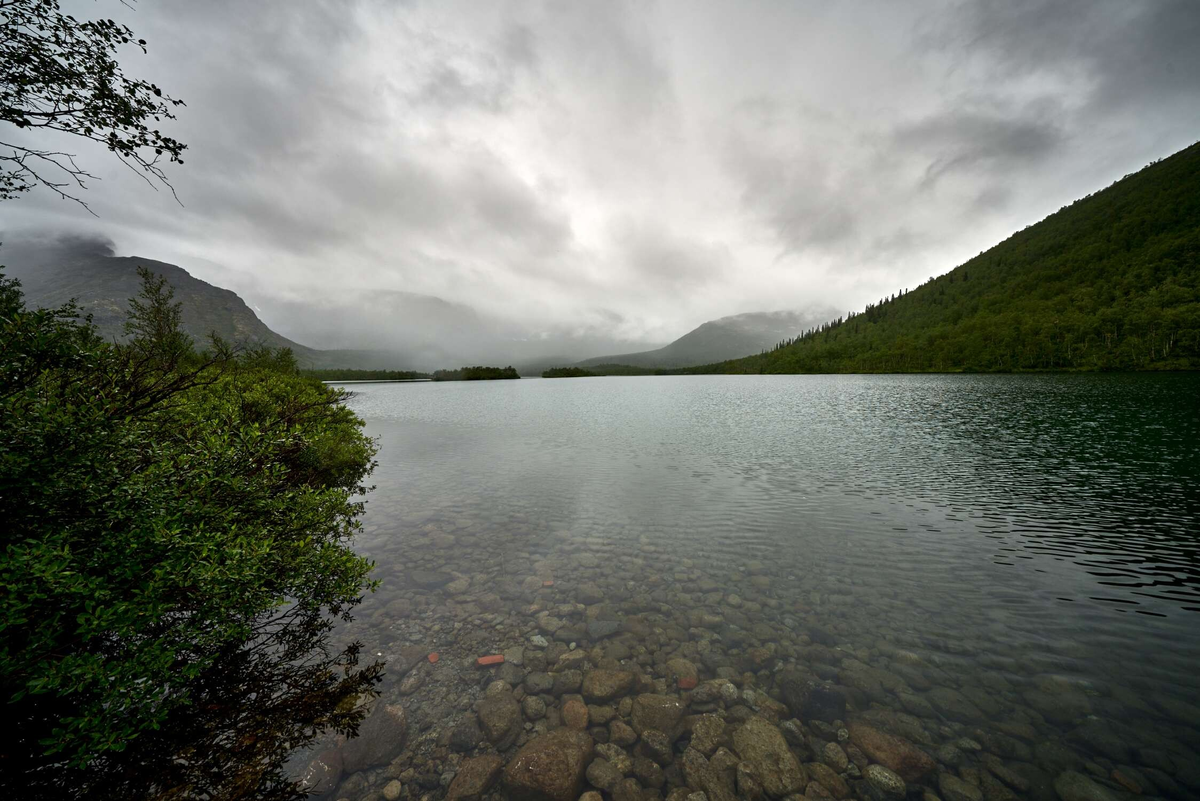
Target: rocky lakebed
[635,667]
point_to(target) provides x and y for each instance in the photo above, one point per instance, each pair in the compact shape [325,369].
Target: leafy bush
[175,555]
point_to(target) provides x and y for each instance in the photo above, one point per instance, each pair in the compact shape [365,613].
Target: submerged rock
[887,782]
[1072,786]
[550,767]
[475,777]
[381,737]
[895,753]
[500,718]
[323,772]
[605,685]
[658,712]
[763,748]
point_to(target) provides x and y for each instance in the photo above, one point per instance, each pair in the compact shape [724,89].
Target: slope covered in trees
[1111,282]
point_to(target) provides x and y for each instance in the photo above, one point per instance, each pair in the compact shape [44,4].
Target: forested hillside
[1111,282]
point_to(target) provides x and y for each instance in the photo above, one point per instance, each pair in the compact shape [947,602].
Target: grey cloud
[661,257]
[958,141]
[449,88]
[795,194]
[683,161]
[34,248]
[1119,53]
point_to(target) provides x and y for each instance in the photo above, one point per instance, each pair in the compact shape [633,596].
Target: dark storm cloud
[680,160]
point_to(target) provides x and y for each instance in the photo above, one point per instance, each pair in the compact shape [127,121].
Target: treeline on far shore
[601,369]
[338,374]
[477,373]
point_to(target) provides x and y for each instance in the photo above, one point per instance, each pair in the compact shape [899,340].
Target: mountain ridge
[102,283]
[726,337]
[1110,282]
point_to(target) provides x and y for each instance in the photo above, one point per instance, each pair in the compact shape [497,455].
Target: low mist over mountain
[726,338]
[354,329]
[380,329]
[53,271]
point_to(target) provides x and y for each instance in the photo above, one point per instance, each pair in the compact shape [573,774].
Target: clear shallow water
[1019,535]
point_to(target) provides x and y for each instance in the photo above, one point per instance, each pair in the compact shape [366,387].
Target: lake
[1002,570]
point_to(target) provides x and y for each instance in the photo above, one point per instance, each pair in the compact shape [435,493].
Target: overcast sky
[638,166]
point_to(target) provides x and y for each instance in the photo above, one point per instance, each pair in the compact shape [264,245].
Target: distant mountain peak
[725,338]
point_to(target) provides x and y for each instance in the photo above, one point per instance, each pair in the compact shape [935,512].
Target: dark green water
[1028,541]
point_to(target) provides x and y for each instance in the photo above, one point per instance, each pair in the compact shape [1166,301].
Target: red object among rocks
[433,658]
[687,683]
[494,659]
[547,583]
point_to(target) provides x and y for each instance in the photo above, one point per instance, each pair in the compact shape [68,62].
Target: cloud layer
[630,167]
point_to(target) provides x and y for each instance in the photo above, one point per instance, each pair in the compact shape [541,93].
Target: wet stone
[567,681]
[500,719]
[550,767]
[707,734]
[380,738]
[575,714]
[606,685]
[533,708]
[648,772]
[539,683]
[833,756]
[601,714]
[761,745]
[429,579]
[466,735]
[599,629]
[659,712]
[616,756]
[657,746]
[830,781]
[885,781]
[475,777]
[601,774]
[953,788]
[895,753]
[954,705]
[1073,786]
[621,733]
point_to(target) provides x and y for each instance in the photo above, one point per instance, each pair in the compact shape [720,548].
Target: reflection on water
[1004,558]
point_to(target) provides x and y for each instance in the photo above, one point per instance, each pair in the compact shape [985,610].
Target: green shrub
[175,555]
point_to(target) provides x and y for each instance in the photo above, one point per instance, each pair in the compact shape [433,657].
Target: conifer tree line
[1111,282]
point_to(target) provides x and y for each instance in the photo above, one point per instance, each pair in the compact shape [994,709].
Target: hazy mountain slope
[404,330]
[1111,282]
[103,283]
[726,338]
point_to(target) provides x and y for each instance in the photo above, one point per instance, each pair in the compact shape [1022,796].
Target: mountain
[381,329]
[726,338]
[54,272]
[1111,282]
[343,328]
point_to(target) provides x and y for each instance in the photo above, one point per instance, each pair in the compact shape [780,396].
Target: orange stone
[433,658]
[494,659]
[688,683]
[547,583]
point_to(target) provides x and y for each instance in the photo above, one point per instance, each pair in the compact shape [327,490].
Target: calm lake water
[1009,559]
